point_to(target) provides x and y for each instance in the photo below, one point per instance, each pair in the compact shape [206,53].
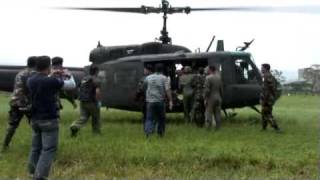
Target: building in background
[311,76]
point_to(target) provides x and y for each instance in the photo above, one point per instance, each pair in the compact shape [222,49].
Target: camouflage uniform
[267,100]
[198,109]
[18,104]
[185,83]
[89,106]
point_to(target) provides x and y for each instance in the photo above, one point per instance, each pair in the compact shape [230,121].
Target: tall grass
[238,151]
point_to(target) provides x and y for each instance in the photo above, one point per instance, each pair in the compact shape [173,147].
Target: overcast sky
[287,41]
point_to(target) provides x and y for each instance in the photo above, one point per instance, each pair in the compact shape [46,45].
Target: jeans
[44,146]
[155,113]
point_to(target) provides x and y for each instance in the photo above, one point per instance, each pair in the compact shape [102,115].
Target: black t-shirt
[43,91]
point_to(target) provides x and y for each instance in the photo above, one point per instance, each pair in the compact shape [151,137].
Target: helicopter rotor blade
[308,9]
[141,10]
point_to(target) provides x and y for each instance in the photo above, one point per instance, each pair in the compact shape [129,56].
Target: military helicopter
[121,67]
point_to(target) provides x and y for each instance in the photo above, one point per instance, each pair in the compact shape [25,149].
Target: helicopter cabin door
[122,80]
[245,86]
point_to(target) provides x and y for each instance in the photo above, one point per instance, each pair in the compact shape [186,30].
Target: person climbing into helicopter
[268,98]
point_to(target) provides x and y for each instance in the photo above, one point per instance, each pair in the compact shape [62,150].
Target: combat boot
[4,148]
[7,139]
[97,132]
[277,129]
[264,124]
[74,131]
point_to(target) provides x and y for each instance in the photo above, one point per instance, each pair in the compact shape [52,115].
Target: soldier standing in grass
[268,97]
[213,97]
[90,102]
[19,102]
[198,109]
[185,83]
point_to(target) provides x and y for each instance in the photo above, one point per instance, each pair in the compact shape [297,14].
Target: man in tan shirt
[213,97]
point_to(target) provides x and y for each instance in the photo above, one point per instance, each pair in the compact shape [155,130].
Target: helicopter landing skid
[255,109]
[229,115]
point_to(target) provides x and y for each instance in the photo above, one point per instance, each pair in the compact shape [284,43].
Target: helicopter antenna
[246,46]
[99,44]
[210,44]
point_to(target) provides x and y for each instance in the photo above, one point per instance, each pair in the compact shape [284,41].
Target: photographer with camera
[61,72]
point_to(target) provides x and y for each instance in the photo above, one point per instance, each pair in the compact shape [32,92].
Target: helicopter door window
[244,72]
[242,69]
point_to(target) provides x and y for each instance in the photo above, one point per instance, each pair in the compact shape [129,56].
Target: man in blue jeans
[44,117]
[157,88]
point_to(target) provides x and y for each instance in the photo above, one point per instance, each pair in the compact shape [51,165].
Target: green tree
[279,76]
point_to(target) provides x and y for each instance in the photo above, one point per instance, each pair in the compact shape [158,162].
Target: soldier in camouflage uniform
[186,85]
[268,97]
[198,109]
[90,102]
[20,101]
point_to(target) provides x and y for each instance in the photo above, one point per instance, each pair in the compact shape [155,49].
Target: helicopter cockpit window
[244,73]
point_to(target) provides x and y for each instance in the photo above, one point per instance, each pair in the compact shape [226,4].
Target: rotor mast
[164,33]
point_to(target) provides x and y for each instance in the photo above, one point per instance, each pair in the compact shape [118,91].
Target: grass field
[238,151]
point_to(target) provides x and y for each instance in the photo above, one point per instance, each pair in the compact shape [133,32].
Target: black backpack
[87,90]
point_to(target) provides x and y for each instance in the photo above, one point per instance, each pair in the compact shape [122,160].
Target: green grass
[238,151]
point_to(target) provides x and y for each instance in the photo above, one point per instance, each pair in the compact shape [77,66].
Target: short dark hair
[201,70]
[266,66]
[159,68]
[149,67]
[43,63]
[57,61]
[212,68]
[31,62]
[93,70]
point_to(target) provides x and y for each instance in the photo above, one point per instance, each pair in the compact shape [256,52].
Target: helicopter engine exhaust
[220,45]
